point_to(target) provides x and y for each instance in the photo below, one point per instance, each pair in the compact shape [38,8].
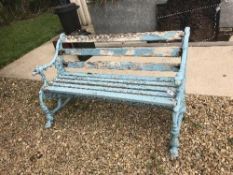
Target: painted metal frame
[180,108]
[58,64]
[166,96]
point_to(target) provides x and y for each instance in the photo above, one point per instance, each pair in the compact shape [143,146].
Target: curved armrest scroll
[41,69]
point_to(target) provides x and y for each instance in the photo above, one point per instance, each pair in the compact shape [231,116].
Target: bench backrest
[134,45]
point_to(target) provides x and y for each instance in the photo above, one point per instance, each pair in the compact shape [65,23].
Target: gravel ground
[97,137]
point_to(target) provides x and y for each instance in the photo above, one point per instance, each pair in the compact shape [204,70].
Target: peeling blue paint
[163,91]
[166,36]
[144,52]
[123,66]
[136,52]
[122,77]
[168,82]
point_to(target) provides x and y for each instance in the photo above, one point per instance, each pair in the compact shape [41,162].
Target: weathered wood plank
[121,77]
[173,44]
[123,66]
[117,85]
[161,101]
[95,79]
[142,91]
[136,52]
[150,36]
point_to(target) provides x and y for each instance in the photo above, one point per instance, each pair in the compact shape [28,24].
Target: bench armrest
[180,78]
[40,70]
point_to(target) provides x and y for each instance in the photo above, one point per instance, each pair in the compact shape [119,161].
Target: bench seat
[148,92]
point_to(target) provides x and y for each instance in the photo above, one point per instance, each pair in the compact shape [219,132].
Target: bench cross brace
[49,113]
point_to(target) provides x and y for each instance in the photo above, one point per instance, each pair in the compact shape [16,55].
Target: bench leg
[174,143]
[177,118]
[45,109]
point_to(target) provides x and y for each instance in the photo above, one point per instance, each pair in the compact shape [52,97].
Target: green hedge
[21,9]
[23,35]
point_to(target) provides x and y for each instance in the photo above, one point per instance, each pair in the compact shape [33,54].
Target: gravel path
[97,137]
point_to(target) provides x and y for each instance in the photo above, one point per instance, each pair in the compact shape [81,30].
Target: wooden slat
[136,44]
[118,85]
[167,102]
[136,52]
[122,77]
[173,44]
[156,74]
[96,79]
[123,66]
[150,36]
[141,91]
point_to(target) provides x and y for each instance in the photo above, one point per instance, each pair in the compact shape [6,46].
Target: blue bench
[161,90]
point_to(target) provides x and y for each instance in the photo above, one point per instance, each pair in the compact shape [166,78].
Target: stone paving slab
[210,71]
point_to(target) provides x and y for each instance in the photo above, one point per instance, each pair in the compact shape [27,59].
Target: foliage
[22,36]
[21,9]
[3,15]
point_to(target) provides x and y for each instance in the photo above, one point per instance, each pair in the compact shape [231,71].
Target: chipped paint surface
[160,87]
[121,77]
[161,101]
[98,79]
[123,66]
[135,52]
[138,90]
[163,91]
[180,108]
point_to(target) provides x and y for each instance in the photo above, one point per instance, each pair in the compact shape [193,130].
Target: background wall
[124,16]
[226,16]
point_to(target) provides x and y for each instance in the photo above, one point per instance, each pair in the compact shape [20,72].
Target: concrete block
[226,14]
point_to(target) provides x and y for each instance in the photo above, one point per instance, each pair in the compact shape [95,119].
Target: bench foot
[174,145]
[48,124]
[174,153]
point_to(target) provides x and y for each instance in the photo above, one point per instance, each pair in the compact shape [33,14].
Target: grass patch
[20,37]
